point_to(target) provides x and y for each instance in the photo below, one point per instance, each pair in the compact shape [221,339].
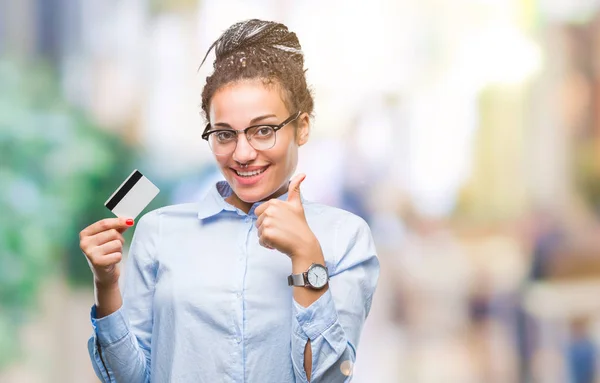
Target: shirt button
[238,339]
[239,295]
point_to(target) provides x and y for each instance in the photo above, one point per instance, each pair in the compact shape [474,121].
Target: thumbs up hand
[282,224]
[294,190]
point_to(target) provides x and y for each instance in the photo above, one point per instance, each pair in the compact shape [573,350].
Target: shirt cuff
[111,328]
[315,319]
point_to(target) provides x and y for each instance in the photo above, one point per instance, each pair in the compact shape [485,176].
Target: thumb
[294,188]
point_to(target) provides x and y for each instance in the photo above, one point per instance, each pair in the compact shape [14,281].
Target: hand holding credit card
[134,194]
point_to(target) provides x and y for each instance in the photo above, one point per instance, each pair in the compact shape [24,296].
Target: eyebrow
[252,122]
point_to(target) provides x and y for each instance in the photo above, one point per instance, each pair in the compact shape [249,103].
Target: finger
[260,230]
[105,237]
[114,246]
[261,208]
[265,237]
[294,189]
[119,224]
[107,259]
[260,220]
[89,244]
[270,209]
[264,243]
[99,258]
[129,222]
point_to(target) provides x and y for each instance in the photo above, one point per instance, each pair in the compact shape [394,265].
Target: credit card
[134,194]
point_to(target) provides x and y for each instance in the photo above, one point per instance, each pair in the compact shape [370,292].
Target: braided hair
[265,50]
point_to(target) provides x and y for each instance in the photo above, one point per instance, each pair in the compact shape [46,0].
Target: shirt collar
[214,202]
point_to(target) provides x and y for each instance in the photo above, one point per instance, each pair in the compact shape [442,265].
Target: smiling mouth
[250,173]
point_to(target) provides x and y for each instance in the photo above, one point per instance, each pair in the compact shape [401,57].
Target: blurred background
[466,132]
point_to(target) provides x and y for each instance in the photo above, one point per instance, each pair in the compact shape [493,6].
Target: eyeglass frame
[276,127]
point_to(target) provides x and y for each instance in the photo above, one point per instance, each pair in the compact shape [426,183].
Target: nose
[244,152]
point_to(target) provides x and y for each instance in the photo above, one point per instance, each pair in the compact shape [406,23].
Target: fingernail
[129,222]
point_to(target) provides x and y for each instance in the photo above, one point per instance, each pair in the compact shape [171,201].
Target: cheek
[222,161]
[291,156]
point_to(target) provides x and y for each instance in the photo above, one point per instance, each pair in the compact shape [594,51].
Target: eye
[225,136]
[263,131]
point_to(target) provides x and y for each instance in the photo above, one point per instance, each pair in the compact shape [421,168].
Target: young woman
[252,283]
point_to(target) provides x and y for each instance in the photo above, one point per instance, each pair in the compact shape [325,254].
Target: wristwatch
[316,277]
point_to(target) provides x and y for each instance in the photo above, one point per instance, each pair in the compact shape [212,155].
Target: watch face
[317,276]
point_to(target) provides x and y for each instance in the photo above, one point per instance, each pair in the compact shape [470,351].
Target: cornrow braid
[265,50]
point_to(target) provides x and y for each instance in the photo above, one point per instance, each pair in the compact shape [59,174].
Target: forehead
[238,103]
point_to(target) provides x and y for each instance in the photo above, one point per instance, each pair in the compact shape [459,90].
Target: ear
[303,129]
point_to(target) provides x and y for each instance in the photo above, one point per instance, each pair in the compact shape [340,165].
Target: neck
[244,206]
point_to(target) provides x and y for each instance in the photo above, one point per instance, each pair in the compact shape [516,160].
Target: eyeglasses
[261,137]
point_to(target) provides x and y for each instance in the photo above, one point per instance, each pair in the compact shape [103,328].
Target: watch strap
[297,279]
[301,279]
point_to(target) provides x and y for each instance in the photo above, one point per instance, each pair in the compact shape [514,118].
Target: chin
[249,196]
[253,194]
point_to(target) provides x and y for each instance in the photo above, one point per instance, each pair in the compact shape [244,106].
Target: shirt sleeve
[120,345]
[334,322]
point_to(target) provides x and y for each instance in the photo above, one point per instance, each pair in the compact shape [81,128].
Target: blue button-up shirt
[203,301]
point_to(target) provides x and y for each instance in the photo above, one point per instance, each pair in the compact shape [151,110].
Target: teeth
[250,174]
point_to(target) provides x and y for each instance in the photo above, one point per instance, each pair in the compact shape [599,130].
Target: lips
[249,176]
[250,173]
